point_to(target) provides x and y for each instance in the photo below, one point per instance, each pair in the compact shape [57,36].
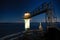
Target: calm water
[9,28]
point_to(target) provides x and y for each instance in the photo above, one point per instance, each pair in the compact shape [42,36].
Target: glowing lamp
[27,15]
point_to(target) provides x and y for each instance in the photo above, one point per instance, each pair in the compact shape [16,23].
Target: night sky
[13,10]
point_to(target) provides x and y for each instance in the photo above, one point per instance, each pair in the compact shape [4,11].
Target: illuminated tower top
[27,15]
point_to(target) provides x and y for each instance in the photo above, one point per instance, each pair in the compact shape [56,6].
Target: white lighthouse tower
[27,20]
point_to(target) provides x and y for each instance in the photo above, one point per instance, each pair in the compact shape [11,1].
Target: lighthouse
[27,20]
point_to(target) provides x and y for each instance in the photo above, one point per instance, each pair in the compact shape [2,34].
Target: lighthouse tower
[27,20]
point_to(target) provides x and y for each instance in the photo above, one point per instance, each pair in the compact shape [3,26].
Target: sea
[11,28]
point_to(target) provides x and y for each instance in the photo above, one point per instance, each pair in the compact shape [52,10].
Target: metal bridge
[46,8]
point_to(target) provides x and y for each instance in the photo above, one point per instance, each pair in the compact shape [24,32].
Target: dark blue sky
[13,10]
